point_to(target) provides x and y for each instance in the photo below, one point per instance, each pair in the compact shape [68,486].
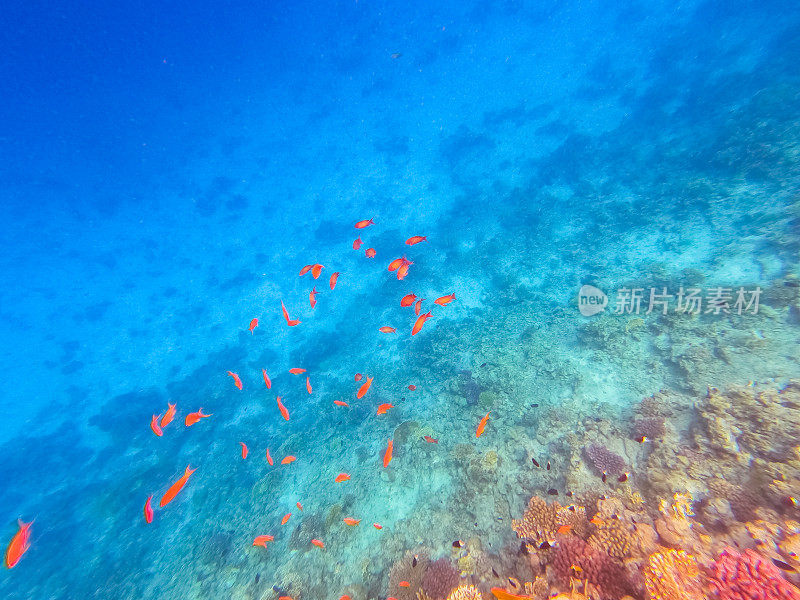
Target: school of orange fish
[20,542]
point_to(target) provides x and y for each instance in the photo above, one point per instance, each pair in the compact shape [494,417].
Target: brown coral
[465,592]
[538,522]
[673,575]
[410,568]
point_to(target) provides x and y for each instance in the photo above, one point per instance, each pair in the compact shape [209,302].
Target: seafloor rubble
[682,502]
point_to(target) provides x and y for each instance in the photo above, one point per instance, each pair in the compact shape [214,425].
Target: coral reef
[604,460]
[673,575]
[465,592]
[745,575]
[410,568]
[439,579]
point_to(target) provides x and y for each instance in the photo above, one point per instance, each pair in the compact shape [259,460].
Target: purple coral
[649,427]
[604,459]
[749,576]
[440,579]
[574,558]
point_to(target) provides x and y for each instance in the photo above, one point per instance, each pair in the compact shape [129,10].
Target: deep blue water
[166,171]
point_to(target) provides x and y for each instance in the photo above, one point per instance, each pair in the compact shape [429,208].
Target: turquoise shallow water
[167,174]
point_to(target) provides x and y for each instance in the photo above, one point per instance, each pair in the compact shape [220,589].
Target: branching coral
[538,522]
[465,592]
[604,459]
[440,578]
[747,575]
[611,536]
[673,575]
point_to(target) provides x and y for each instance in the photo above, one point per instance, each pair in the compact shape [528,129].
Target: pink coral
[574,558]
[440,579]
[749,576]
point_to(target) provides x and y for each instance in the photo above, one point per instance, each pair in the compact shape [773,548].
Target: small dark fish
[572,507]
[604,477]
[641,439]
[458,544]
[553,492]
[622,478]
[535,405]
[495,572]
[414,561]
[548,465]
[258,576]
[544,545]
[513,582]
[397,55]
[483,364]
[615,517]
[523,548]
[790,501]
[536,462]
[603,497]
[568,494]
[782,565]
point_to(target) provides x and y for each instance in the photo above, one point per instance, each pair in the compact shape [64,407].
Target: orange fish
[430,440]
[334,279]
[286,518]
[168,416]
[300,506]
[358,377]
[397,263]
[244,450]
[296,371]
[387,329]
[412,387]
[289,322]
[420,322]
[312,297]
[416,240]
[362,224]
[261,540]
[564,529]
[316,270]
[148,510]
[418,306]
[308,385]
[482,425]
[305,270]
[176,487]
[364,387]
[351,521]
[445,300]
[340,403]
[267,380]
[377,526]
[19,544]
[370,253]
[345,597]
[408,300]
[404,584]
[269,458]
[403,270]
[155,426]
[236,381]
[253,325]
[342,477]
[318,543]
[285,598]
[357,243]
[194,417]
[387,457]
[282,408]
[383,408]
[502,594]
[287,460]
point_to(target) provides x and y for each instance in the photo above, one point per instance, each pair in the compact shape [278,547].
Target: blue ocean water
[166,172]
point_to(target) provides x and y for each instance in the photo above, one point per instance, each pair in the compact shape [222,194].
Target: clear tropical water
[166,173]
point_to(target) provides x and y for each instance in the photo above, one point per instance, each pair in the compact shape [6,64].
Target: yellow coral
[673,575]
[465,592]
[613,537]
[538,522]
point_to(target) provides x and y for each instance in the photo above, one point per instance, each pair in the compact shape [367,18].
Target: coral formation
[465,592]
[746,575]
[411,568]
[605,460]
[673,575]
[439,580]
